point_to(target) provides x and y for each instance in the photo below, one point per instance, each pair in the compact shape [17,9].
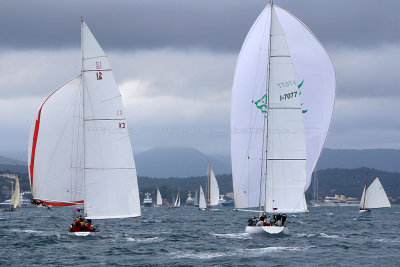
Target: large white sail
[315,78]
[375,196]
[159,199]
[286,148]
[202,199]
[214,189]
[110,184]
[55,154]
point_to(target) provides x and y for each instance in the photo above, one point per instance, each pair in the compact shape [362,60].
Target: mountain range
[180,162]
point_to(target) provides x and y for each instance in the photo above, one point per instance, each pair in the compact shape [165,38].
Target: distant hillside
[10,161]
[380,159]
[177,162]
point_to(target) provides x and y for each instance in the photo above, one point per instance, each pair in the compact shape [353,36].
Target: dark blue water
[188,237]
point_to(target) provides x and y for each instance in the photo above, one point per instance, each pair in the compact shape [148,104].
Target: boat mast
[83,116]
[267,109]
[208,184]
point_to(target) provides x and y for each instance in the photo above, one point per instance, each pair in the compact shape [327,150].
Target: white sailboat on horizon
[212,189]
[278,125]
[374,196]
[15,201]
[79,147]
[159,199]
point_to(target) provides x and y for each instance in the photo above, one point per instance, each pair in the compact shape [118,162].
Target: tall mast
[83,116]
[267,109]
[208,184]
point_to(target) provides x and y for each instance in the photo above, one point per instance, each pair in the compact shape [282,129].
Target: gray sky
[174,61]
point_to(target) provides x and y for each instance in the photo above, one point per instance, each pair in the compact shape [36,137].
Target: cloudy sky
[174,62]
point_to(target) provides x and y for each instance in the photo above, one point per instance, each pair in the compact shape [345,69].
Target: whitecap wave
[306,234]
[387,240]
[234,235]
[329,213]
[328,236]
[198,255]
[145,240]
[257,251]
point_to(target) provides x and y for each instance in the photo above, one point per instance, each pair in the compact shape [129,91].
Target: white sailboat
[202,200]
[278,125]
[374,197]
[15,201]
[177,201]
[212,189]
[79,147]
[159,199]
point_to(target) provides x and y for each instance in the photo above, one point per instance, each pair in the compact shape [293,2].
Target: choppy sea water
[326,236]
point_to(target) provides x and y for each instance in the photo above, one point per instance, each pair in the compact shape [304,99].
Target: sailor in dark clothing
[284,219]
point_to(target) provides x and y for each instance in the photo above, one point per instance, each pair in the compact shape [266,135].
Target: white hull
[267,229]
[366,210]
[82,233]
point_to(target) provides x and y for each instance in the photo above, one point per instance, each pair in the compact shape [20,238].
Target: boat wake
[257,251]
[306,235]
[234,235]
[198,255]
[387,240]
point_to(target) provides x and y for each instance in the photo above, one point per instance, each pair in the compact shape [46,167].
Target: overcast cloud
[174,61]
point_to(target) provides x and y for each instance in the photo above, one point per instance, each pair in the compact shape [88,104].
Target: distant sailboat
[196,199]
[189,200]
[177,201]
[374,197]
[15,201]
[212,189]
[278,125]
[79,146]
[202,200]
[159,198]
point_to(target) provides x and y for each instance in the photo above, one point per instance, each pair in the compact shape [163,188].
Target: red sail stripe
[61,204]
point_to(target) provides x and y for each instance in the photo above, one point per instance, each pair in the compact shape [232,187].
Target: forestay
[110,188]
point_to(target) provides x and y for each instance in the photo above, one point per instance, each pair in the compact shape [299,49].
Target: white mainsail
[177,202]
[375,196]
[80,150]
[315,81]
[213,188]
[202,199]
[159,199]
[362,202]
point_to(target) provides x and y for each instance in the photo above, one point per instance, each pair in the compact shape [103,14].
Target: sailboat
[79,147]
[15,201]
[212,189]
[282,102]
[374,196]
[159,199]
[177,201]
[196,199]
[202,200]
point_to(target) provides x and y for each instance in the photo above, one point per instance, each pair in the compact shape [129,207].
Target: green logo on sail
[261,104]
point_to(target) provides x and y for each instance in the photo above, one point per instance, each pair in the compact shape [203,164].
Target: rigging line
[97,70]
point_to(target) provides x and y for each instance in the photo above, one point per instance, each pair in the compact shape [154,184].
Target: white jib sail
[214,189]
[55,154]
[315,76]
[179,202]
[159,199]
[202,199]
[375,196]
[110,184]
[286,146]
